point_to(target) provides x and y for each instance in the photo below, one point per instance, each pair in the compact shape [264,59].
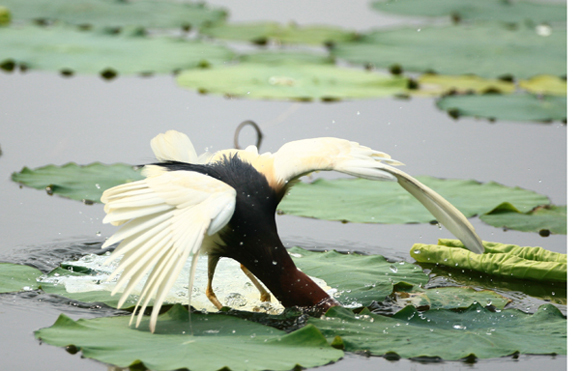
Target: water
[46,118]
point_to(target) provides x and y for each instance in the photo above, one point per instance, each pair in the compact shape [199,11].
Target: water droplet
[543,30]
[274,262]
[417,251]
[393,268]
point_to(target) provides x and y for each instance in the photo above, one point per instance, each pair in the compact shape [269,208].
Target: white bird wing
[304,156]
[165,219]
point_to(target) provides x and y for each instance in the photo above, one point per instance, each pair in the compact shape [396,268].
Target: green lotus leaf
[68,50]
[432,84]
[118,13]
[192,341]
[5,15]
[77,182]
[450,298]
[286,57]
[266,32]
[17,277]
[488,10]
[303,82]
[511,261]
[367,201]
[358,279]
[542,219]
[446,334]
[516,107]
[488,50]
[545,84]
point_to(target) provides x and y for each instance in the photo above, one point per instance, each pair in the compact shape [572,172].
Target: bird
[223,204]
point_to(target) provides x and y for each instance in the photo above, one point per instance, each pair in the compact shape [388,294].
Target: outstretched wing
[165,218]
[304,156]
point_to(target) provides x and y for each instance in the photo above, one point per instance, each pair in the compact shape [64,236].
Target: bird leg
[264,295]
[212,261]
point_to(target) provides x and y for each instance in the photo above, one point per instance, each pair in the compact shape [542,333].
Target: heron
[223,204]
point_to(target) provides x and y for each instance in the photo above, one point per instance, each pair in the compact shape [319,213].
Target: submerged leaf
[516,107]
[77,182]
[545,84]
[17,277]
[487,50]
[451,298]
[511,261]
[193,341]
[543,219]
[446,334]
[489,10]
[68,50]
[303,82]
[266,32]
[358,279]
[367,201]
[118,13]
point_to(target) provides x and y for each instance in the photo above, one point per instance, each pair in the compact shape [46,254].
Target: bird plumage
[224,204]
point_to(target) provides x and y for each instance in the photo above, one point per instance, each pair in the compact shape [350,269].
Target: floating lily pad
[367,201]
[118,13]
[271,32]
[192,341]
[515,107]
[286,57]
[358,279]
[16,277]
[303,82]
[446,334]
[451,298]
[489,10]
[71,51]
[545,84]
[487,50]
[542,219]
[432,84]
[511,261]
[78,182]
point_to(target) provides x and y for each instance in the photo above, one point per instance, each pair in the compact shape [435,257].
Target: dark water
[48,119]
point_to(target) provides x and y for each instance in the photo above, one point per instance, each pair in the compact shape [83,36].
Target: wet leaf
[451,298]
[486,50]
[302,82]
[271,32]
[117,13]
[516,107]
[68,50]
[17,277]
[78,182]
[192,341]
[431,84]
[358,279]
[286,57]
[511,261]
[367,201]
[545,84]
[446,334]
[472,10]
[550,218]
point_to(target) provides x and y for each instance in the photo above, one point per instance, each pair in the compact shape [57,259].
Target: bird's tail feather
[442,210]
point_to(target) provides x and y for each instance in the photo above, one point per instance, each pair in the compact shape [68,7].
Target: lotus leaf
[489,10]
[358,279]
[487,50]
[303,82]
[192,341]
[68,50]
[542,219]
[5,16]
[367,201]
[264,32]
[432,84]
[77,182]
[451,298]
[286,57]
[516,107]
[447,334]
[511,261]
[17,277]
[545,84]
[117,13]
